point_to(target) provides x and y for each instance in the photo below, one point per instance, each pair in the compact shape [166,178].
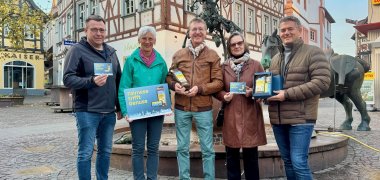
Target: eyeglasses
[197,29]
[240,43]
[95,30]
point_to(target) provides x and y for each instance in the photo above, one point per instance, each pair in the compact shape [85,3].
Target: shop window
[18,74]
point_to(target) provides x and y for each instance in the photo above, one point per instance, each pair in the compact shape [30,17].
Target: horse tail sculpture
[365,64]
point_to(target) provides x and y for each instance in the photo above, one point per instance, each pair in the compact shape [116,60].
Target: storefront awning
[364,28]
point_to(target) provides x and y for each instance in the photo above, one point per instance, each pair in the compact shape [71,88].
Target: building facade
[169,17]
[315,19]
[21,68]
[368,44]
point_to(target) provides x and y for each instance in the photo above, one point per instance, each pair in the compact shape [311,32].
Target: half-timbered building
[170,18]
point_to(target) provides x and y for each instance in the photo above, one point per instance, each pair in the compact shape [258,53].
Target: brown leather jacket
[243,125]
[204,71]
[306,76]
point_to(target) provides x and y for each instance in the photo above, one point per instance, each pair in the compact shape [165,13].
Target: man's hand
[279,97]
[179,89]
[100,80]
[192,92]
[118,115]
[228,97]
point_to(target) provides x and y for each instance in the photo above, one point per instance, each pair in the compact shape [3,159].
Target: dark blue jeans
[293,142]
[149,129]
[90,126]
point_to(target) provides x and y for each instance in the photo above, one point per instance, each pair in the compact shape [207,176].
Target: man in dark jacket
[92,71]
[293,111]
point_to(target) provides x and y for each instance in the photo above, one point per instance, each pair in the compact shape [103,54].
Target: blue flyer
[237,87]
[103,69]
[147,101]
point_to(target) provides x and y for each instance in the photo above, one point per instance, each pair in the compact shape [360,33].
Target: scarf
[148,60]
[237,64]
[195,50]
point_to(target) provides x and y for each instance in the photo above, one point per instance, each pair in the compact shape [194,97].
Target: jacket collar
[136,55]
[295,46]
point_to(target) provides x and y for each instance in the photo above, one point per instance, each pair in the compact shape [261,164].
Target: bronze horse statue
[347,75]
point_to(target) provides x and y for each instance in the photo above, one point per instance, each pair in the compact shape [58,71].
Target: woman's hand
[127,119]
[248,91]
[228,97]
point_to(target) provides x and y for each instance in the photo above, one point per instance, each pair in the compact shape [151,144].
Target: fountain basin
[324,152]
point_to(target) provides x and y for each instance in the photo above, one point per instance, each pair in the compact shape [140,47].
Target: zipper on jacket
[192,79]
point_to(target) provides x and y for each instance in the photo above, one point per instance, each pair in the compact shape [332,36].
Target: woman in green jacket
[144,67]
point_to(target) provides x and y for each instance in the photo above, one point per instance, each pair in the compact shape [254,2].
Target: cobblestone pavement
[36,143]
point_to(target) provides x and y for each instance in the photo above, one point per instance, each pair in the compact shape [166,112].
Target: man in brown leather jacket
[201,67]
[293,111]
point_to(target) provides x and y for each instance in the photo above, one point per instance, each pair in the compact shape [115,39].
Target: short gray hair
[145,29]
[95,18]
[291,18]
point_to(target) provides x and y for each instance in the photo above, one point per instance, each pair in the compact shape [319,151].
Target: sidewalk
[37,143]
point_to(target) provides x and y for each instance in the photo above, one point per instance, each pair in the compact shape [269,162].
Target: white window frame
[28,35]
[275,24]
[69,24]
[266,26]
[187,5]
[238,14]
[94,7]
[60,29]
[148,4]
[251,19]
[81,14]
[313,35]
[131,7]
[6,30]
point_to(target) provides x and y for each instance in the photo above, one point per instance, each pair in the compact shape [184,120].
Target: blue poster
[148,101]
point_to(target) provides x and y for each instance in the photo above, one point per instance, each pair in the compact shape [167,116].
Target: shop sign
[368,88]
[20,56]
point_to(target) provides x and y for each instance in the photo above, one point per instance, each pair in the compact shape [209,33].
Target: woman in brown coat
[243,125]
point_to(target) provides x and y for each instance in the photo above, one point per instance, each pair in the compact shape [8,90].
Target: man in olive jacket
[293,111]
